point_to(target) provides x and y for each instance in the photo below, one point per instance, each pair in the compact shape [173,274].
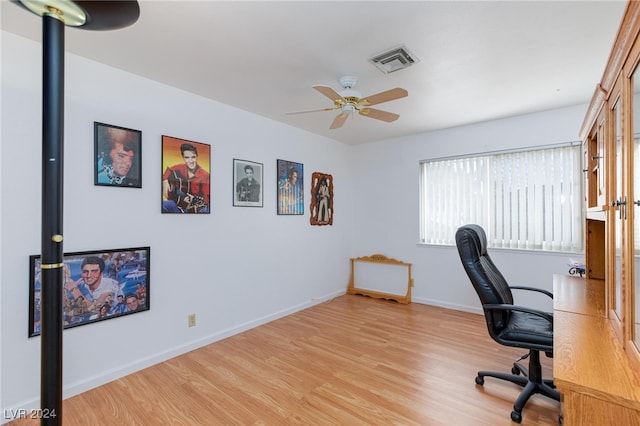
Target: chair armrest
[505,307]
[539,290]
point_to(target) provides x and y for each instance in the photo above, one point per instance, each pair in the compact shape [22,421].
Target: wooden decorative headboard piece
[383,268]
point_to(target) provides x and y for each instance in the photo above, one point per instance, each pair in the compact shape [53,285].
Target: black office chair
[508,324]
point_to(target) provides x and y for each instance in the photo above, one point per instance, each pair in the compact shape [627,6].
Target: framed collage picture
[186,176]
[97,285]
[290,183]
[117,156]
[247,183]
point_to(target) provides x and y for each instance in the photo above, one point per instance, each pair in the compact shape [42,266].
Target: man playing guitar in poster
[185,187]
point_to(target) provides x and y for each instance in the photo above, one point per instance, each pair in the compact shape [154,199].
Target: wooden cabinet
[597,355]
[610,155]
[594,161]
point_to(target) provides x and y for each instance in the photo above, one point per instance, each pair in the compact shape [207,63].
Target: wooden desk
[575,294]
[590,367]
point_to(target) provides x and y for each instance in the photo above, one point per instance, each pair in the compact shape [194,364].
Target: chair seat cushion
[524,327]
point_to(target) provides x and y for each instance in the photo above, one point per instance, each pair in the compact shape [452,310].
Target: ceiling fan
[349,100]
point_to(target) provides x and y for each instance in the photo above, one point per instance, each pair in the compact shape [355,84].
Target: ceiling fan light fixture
[348,108]
[394,59]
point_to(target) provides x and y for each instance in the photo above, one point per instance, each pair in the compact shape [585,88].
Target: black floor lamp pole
[91,15]
[52,203]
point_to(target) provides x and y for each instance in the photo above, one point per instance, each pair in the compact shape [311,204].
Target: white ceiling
[479,60]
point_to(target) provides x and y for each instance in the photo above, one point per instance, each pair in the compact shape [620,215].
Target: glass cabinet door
[634,205]
[616,127]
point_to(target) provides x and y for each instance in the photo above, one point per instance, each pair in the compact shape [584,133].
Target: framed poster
[247,183]
[97,285]
[290,183]
[321,207]
[186,175]
[117,155]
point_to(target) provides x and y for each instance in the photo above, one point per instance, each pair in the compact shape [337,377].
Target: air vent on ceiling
[397,58]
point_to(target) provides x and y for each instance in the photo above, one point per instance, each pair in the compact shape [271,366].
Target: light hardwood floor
[349,361]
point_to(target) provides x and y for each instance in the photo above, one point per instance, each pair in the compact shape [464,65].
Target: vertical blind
[525,199]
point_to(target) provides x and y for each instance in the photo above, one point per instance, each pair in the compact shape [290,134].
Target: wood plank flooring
[349,361]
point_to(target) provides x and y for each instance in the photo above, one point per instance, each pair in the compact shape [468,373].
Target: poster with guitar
[186,176]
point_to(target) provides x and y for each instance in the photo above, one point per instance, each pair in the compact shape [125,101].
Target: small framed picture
[321,206]
[247,183]
[98,285]
[186,176]
[290,187]
[118,156]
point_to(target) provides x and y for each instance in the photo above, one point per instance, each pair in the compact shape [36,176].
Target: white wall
[235,268]
[386,204]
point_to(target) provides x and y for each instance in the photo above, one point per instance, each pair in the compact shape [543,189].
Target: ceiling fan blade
[329,93]
[379,114]
[311,110]
[339,120]
[386,96]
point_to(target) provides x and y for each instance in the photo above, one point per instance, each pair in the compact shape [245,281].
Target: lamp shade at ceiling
[99,15]
[109,15]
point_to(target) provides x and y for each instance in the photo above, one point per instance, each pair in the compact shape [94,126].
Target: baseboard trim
[455,307]
[92,382]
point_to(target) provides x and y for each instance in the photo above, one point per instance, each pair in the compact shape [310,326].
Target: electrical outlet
[192,320]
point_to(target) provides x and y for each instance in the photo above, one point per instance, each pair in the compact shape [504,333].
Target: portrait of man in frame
[247,183]
[118,156]
[321,206]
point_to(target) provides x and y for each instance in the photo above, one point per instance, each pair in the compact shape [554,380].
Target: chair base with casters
[529,378]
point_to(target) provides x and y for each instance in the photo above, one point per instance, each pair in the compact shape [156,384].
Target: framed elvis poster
[186,175]
[118,156]
[247,183]
[290,187]
[97,285]
[321,206]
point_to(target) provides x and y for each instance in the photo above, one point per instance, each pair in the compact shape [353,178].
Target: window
[523,199]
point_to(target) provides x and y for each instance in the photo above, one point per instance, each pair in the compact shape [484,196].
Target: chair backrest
[487,280]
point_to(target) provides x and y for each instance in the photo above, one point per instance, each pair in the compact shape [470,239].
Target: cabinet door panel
[620,208]
[634,205]
[600,158]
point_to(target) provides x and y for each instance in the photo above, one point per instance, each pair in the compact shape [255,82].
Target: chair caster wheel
[516,417]
[515,370]
[479,380]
